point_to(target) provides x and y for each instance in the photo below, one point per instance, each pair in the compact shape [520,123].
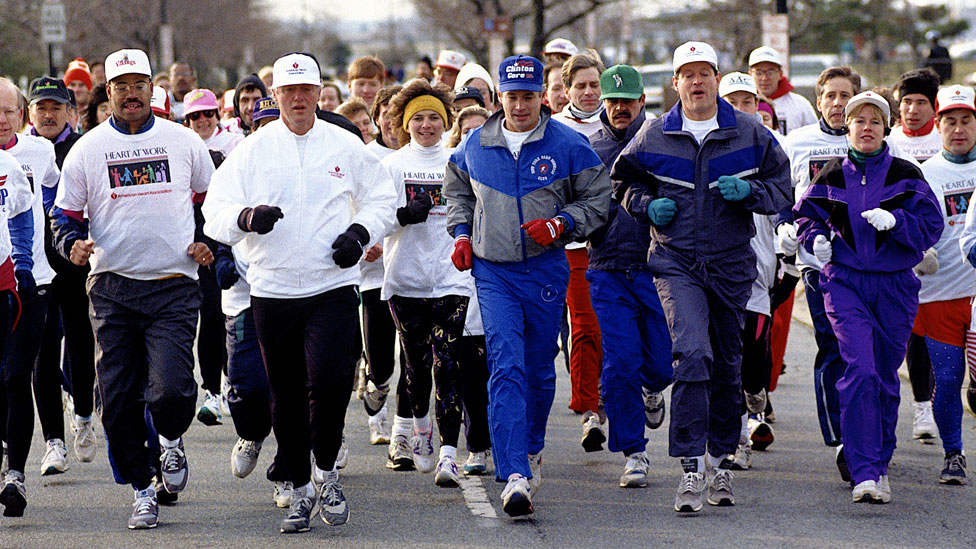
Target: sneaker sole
[953,481]
[377,441]
[143,526]
[400,465]
[475,471]
[446,482]
[688,507]
[290,530]
[13,503]
[52,470]
[633,483]
[207,417]
[866,498]
[723,501]
[518,506]
[593,441]
[762,437]
[737,467]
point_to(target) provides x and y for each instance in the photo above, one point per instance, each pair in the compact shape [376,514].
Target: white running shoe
[283,492]
[720,485]
[923,424]
[174,469]
[379,427]
[635,472]
[244,457]
[517,496]
[145,510]
[423,450]
[447,474]
[535,466]
[884,489]
[866,491]
[361,378]
[593,435]
[55,458]
[742,460]
[653,408]
[209,412]
[477,463]
[84,439]
[342,458]
[400,454]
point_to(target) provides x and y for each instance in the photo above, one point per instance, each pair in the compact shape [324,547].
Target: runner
[447,68]
[792,109]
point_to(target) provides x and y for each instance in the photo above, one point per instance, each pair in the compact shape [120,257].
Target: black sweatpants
[473,362]
[48,378]
[380,335]
[310,347]
[211,343]
[71,294]
[757,359]
[920,371]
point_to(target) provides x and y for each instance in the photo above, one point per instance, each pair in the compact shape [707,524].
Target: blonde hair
[466,113]
[860,108]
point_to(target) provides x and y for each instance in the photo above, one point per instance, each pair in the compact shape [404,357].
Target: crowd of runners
[305,239]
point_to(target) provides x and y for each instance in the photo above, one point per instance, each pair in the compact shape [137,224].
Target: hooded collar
[249,80]
[61,136]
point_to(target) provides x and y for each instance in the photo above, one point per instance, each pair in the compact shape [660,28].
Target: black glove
[349,246]
[226,272]
[415,211]
[25,282]
[260,219]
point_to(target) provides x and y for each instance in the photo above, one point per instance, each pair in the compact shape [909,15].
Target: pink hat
[199,100]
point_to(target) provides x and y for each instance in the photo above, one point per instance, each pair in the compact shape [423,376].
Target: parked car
[655,78]
[806,68]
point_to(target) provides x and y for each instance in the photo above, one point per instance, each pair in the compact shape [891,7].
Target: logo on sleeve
[337,172]
[543,167]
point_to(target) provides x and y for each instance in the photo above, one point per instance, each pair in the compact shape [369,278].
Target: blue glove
[972,256]
[661,211]
[25,282]
[733,189]
[226,272]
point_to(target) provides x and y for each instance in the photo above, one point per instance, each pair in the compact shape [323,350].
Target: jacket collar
[123,128]
[491,132]
[725,117]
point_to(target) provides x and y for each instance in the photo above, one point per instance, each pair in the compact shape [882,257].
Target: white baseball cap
[294,69]
[955,97]
[450,60]
[737,81]
[765,54]
[690,52]
[127,62]
[560,45]
[870,98]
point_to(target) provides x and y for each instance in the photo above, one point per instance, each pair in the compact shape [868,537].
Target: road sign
[776,34]
[53,22]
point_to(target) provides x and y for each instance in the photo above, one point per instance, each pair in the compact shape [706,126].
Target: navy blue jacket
[621,244]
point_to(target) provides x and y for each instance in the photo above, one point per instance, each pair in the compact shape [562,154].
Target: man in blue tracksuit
[518,189]
[697,175]
[636,342]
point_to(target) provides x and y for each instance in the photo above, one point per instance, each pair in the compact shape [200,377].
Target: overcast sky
[362,10]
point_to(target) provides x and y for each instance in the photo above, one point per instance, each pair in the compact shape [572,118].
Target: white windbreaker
[340,183]
[762,245]
[417,258]
[15,198]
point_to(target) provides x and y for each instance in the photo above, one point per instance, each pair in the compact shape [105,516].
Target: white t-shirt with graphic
[953,185]
[37,159]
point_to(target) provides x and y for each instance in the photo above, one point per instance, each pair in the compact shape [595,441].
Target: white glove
[822,248]
[787,238]
[929,264]
[882,220]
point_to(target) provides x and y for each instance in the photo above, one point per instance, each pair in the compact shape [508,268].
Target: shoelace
[171,459]
[722,481]
[302,507]
[143,505]
[403,447]
[690,482]
[957,462]
[330,492]
[637,463]
[249,450]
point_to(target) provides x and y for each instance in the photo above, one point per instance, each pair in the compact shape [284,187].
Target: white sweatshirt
[953,185]
[793,111]
[371,272]
[417,258]
[37,159]
[15,198]
[223,141]
[920,148]
[339,183]
[138,190]
[762,245]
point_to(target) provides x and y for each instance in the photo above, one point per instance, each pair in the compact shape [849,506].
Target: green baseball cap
[621,82]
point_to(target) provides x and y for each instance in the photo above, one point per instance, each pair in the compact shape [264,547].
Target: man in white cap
[557,51]
[697,175]
[302,199]
[792,109]
[449,64]
[135,177]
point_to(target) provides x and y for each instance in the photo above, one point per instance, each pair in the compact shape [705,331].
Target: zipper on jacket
[518,200]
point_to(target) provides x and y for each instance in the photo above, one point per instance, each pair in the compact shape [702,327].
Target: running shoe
[446,474]
[756,404]
[760,433]
[768,415]
[299,514]
[516,497]
[282,494]
[379,427]
[244,457]
[173,467]
[866,492]
[688,498]
[593,435]
[55,458]
[635,472]
[209,412]
[145,510]
[884,489]
[653,408]
[333,507]
[162,496]
[400,454]
[954,469]
[84,439]
[535,467]
[720,485]
[477,463]
[923,423]
[742,460]
[343,456]
[13,496]
[374,399]
[422,446]
[845,472]
[361,378]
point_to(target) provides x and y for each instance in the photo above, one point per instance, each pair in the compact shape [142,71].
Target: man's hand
[81,250]
[25,282]
[787,238]
[661,211]
[260,219]
[822,248]
[733,189]
[544,231]
[200,253]
[462,256]
[373,253]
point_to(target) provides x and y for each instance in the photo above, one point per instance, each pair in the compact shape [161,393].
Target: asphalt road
[793,496]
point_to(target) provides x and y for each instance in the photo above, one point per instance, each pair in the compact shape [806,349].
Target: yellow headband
[423,103]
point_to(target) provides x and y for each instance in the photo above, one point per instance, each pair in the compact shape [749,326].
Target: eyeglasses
[122,87]
[206,114]
[770,73]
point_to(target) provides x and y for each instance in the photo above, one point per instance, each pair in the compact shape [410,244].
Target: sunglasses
[207,114]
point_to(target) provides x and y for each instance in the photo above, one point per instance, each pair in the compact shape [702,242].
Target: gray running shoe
[333,507]
[720,485]
[299,514]
[375,397]
[653,408]
[593,436]
[145,510]
[13,497]
[742,460]
[174,468]
[400,455]
[244,457]
[756,404]
[688,498]
[954,469]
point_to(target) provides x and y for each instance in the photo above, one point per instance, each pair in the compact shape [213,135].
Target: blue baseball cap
[266,107]
[520,72]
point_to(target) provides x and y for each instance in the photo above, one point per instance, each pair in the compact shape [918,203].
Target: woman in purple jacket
[869,216]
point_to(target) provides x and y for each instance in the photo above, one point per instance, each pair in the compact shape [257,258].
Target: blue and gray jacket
[490,193]
[662,161]
[621,244]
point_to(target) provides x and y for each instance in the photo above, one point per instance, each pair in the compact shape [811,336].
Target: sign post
[53,32]
[776,34]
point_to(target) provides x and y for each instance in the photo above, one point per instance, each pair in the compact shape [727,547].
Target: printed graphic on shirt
[957,203]
[420,183]
[817,164]
[141,171]
[3,192]
[30,175]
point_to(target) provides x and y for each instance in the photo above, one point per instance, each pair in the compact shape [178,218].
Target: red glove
[544,231]
[462,253]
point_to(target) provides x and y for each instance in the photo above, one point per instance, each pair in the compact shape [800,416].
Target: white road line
[476,497]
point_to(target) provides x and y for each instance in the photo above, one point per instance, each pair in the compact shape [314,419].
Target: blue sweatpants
[828,366]
[520,307]
[949,366]
[872,315]
[636,350]
[249,397]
